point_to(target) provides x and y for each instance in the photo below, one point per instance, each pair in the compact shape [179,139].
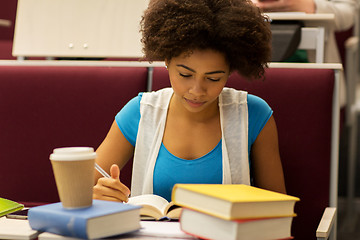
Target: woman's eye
[214,79]
[185,75]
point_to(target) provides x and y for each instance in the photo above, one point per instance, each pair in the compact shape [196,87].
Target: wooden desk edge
[301,16]
[147,64]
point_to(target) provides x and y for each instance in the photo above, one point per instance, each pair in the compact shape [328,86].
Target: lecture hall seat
[45,107]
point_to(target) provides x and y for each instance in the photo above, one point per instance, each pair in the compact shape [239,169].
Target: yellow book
[233,201]
[7,206]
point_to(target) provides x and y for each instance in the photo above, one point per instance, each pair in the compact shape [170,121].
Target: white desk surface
[149,230]
[21,230]
[300,16]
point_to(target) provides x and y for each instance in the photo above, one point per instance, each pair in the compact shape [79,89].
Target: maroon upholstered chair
[303,103]
[7,12]
[44,107]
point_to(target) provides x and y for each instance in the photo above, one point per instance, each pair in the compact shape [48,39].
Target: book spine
[60,224]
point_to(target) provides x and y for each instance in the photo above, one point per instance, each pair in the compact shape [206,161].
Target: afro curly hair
[233,27]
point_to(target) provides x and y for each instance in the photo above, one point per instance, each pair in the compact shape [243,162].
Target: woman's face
[198,78]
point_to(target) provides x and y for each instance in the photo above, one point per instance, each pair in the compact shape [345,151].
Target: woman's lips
[193,103]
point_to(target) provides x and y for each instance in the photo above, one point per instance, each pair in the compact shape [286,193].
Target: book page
[151,203]
[173,211]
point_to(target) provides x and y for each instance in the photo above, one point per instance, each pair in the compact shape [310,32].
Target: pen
[102,171]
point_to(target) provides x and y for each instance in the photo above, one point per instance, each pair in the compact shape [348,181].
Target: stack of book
[234,211]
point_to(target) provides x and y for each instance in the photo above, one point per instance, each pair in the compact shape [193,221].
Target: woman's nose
[197,88]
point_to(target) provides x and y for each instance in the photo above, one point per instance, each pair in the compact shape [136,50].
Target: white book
[209,227]
[16,229]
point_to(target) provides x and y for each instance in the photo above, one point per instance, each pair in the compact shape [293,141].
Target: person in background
[197,131]
[345,12]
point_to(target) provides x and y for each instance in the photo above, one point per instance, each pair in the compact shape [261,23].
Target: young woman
[197,131]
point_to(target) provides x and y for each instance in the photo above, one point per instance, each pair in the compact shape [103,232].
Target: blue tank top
[170,169]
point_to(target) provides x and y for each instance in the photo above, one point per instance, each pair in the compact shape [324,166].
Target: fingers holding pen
[111,188]
[115,174]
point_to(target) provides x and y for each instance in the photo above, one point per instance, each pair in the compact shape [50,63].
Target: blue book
[102,219]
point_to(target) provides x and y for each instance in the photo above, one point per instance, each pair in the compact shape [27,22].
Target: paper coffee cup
[74,175]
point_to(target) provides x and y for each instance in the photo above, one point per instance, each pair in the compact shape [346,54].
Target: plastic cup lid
[73,153]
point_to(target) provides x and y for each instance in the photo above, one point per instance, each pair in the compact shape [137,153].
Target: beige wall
[81,28]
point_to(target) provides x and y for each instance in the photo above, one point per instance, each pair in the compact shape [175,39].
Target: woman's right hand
[111,189]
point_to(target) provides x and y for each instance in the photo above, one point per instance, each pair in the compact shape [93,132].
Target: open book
[155,207]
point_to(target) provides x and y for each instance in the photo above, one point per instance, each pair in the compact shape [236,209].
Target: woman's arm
[115,149]
[344,10]
[265,159]
[307,6]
